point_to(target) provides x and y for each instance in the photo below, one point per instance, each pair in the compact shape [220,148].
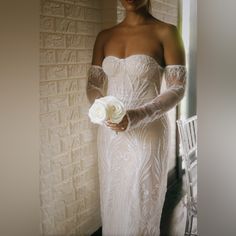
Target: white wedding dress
[133,165]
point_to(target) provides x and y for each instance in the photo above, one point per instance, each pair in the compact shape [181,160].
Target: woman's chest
[123,44]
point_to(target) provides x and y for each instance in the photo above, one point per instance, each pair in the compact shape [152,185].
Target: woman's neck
[133,18]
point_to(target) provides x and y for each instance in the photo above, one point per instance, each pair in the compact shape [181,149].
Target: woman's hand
[118,127]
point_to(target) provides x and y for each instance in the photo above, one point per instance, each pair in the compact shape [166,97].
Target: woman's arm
[175,76]
[96,76]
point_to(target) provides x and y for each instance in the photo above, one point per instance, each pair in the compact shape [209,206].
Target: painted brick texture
[68,157]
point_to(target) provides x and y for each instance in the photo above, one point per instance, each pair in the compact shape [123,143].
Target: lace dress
[133,165]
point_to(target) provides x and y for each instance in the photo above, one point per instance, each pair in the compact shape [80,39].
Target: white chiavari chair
[188,142]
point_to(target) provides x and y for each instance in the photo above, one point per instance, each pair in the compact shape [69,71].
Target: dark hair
[148,6]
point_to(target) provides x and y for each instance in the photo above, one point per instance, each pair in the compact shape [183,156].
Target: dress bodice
[135,79]
[133,165]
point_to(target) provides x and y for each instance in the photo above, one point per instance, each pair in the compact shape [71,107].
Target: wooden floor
[174,213]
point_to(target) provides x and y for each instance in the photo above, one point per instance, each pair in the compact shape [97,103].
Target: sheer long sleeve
[96,83]
[175,77]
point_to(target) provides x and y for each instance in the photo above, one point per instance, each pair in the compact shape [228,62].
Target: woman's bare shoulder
[171,40]
[104,34]
[164,28]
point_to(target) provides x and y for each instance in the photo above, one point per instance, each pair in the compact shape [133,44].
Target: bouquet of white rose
[107,108]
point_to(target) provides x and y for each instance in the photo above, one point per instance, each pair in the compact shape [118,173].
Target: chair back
[188,135]
[188,142]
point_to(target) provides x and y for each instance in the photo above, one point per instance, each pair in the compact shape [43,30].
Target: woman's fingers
[110,123]
[114,126]
[117,127]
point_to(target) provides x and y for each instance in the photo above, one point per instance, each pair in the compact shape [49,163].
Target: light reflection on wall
[185,12]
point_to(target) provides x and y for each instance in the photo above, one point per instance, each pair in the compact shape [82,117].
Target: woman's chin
[132,5]
[131,8]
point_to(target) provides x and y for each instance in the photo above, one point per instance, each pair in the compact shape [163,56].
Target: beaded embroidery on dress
[133,165]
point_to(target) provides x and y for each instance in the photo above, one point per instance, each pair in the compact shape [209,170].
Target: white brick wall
[166,10]
[68,161]
[68,155]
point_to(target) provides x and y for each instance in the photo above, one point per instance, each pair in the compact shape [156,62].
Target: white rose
[98,112]
[107,107]
[116,109]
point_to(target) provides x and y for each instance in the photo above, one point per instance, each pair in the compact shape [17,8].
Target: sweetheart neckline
[134,55]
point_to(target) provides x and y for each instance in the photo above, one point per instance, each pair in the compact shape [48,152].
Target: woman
[131,58]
